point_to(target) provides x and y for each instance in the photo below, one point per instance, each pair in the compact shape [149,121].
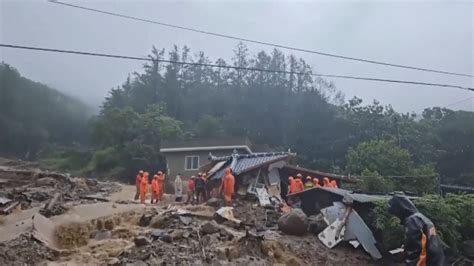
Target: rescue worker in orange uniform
[154,190]
[316,182]
[228,186]
[299,186]
[309,183]
[138,180]
[161,185]
[334,184]
[422,244]
[144,187]
[326,182]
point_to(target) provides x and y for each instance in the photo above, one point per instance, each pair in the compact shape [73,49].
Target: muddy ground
[125,232]
[152,236]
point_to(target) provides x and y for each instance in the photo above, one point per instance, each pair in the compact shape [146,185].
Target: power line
[260,42]
[233,67]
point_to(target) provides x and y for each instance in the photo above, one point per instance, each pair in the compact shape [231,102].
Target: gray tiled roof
[243,163]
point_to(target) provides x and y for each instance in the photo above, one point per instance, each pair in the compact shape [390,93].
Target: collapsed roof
[243,163]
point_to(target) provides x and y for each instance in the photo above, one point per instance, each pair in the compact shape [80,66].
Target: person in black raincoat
[422,244]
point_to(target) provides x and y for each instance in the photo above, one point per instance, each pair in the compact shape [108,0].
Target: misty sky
[429,34]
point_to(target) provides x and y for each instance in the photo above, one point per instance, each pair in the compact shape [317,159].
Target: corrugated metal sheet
[216,167]
[219,174]
[359,197]
[4,200]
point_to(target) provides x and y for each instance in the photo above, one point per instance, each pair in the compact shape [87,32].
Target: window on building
[191,162]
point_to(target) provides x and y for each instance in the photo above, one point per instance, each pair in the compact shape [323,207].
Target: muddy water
[20,221]
[17,223]
[82,213]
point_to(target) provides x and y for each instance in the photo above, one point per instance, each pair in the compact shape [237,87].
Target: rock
[156,234]
[293,223]
[214,202]
[103,234]
[468,248]
[158,222]
[186,234]
[140,241]
[144,220]
[46,182]
[209,228]
[316,224]
[113,262]
[166,238]
[177,234]
[185,220]
[114,206]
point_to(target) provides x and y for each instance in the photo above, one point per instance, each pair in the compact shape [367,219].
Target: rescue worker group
[198,191]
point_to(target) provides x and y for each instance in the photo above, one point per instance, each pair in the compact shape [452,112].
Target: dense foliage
[33,115]
[385,167]
[297,111]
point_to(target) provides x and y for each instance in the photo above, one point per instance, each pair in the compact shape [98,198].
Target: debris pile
[258,229]
[25,250]
[29,188]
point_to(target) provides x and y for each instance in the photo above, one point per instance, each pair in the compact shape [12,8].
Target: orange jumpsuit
[144,187]
[299,186]
[326,182]
[154,189]
[228,184]
[334,184]
[161,186]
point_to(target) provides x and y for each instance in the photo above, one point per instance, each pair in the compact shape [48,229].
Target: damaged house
[255,173]
[265,175]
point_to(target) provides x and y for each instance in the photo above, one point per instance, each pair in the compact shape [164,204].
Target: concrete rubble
[54,192]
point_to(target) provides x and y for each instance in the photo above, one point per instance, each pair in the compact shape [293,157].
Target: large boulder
[293,223]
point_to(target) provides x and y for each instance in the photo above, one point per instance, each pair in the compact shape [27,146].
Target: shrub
[453,217]
[373,182]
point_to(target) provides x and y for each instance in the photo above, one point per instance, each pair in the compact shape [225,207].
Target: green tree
[128,140]
[382,156]
[33,116]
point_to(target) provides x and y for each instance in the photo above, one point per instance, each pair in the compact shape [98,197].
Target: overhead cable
[232,67]
[221,35]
